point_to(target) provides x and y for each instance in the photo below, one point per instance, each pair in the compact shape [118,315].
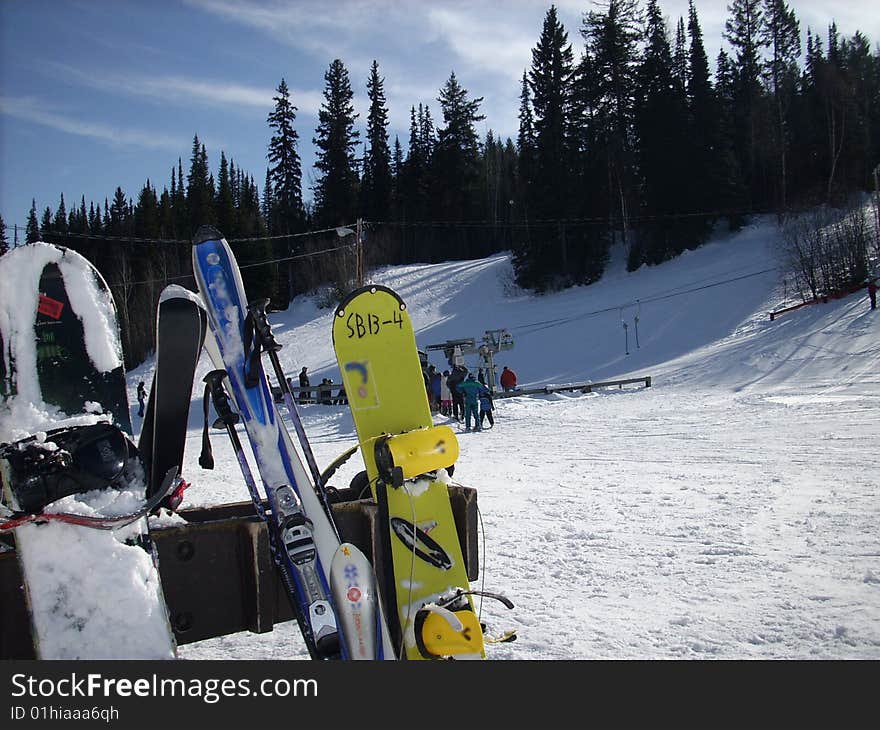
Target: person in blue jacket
[471,391]
[486,407]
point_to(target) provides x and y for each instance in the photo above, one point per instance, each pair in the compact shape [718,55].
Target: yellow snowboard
[376,350]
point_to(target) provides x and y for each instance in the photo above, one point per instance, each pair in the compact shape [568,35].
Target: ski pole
[636,321]
[266,342]
[228,418]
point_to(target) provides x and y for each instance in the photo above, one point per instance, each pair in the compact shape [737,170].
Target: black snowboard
[181,324]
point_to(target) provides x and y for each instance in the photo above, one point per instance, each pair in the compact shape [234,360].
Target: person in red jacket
[508,379]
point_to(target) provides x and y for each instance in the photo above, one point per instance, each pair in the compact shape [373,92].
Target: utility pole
[359,248]
[877,200]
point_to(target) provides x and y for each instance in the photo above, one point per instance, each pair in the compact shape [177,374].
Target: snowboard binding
[414,453]
[71,460]
[449,628]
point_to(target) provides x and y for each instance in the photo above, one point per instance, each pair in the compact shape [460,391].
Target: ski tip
[206,233]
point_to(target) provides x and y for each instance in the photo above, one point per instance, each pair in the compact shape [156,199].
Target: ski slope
[730,511]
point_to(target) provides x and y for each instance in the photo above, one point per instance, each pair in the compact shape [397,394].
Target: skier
[435,388]
[872,293]
[508,379]
[470,390]
[303,383]
[486,406]
[445,395]
[324,391]
[141,396]
[456,377]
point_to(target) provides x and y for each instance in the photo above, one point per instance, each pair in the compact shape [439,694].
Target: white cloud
[491,43]
[33,110]
[188,90]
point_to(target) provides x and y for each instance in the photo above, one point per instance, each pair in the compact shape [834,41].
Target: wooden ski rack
[217,574]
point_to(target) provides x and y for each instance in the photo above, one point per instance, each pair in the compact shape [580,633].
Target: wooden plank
[217,572]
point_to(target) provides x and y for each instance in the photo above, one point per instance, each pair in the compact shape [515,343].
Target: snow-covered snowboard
[64,417]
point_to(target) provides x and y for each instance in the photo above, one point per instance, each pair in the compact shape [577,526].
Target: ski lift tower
[455,350]
[493,341]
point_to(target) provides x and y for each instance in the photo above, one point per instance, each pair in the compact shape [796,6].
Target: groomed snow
[730,511]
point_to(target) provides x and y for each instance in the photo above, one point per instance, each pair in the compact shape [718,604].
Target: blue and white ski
[304,537]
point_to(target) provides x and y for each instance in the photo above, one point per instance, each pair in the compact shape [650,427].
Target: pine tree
[702,160]
[59,222]
[267,203]
[397,172]
[733,193]
[550,83]
[234,185]
[781,34]
[525,140]
[744,32]
[4,244]
[377,179]
[82,223]
[146,213]
[336,139]
[179,203]
[661,124]
[46,222]
[118,214]
[284,176]
[94,219]
[199,189]
[224,204]
[427,134]
[32,230]
[455,160]
[612,39]
[680,58]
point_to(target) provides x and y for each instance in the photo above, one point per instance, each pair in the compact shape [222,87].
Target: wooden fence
[586,387]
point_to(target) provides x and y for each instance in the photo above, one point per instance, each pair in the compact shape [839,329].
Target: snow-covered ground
[729,511]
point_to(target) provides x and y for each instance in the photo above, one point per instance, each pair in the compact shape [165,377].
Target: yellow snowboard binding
[411,454]
[449,629]
[444,634]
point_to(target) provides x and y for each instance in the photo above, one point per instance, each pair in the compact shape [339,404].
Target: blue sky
[96,94]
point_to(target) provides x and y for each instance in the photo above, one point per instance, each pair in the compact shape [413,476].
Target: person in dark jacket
[486,407]
[304,383]
[435,388]
[141,396]
[456,377]
[471,390]
[325,391]
[872,293]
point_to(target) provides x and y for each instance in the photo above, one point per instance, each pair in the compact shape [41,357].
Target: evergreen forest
[628,133]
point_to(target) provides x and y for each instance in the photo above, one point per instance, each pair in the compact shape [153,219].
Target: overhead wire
[529,328]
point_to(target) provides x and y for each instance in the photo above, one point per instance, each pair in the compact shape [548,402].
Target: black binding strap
[206,458]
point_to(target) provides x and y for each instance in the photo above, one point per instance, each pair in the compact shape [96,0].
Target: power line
[249,266]
[251,239]
[527,329]
[595,220]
